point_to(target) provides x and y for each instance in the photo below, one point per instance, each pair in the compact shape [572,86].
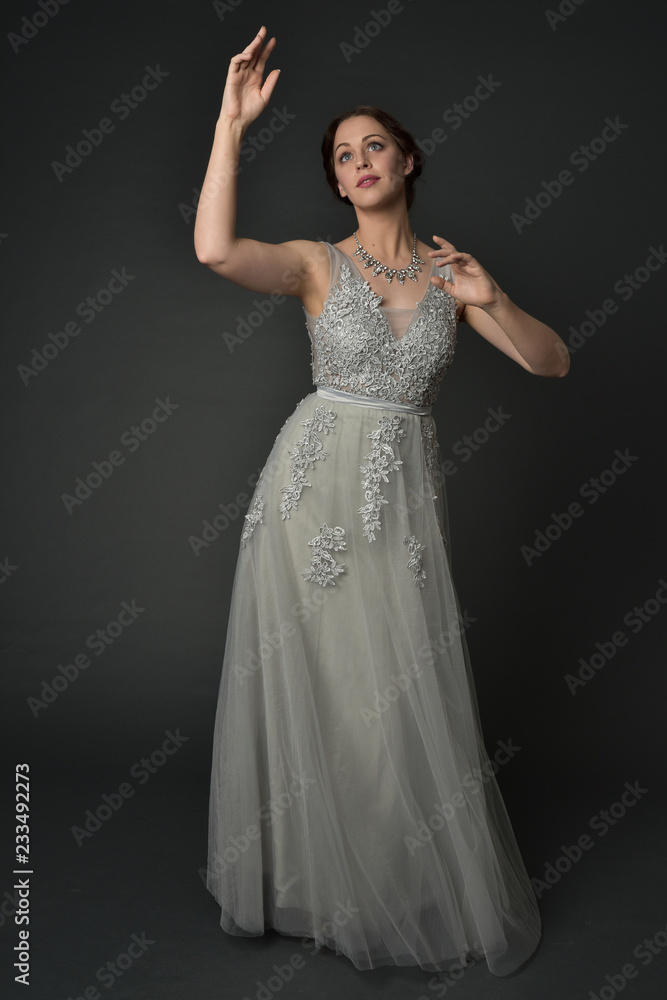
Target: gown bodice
[360,346]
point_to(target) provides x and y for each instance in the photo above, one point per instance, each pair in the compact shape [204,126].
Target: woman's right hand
[244,98]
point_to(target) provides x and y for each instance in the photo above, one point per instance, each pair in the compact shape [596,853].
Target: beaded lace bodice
[354,348]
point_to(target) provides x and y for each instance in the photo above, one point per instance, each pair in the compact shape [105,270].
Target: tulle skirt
[352,800]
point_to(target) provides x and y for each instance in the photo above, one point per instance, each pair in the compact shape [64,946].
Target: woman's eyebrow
[364,137]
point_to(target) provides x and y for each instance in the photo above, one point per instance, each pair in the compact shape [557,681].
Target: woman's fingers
[244,96]
[440,282]
[269,84]
[447,256]
[251,54]
[257,40]
[260,54]
[446,247]
[265,52]
[249,50]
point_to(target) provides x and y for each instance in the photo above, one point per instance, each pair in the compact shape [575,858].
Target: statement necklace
[389,272]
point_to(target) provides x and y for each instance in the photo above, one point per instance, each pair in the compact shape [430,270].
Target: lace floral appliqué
[377,464]
[323,566]
[435,474]
[300,403]
[253,516]
[415,561]
[355,349]
[306,452]
[430,454]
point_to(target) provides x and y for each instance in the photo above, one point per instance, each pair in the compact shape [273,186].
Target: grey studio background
[118,342]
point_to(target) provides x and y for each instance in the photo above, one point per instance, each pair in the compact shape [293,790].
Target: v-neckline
[378,298]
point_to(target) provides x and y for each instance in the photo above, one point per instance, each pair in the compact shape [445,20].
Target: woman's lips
[368,182]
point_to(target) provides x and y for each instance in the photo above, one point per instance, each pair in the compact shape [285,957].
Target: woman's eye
[373,143]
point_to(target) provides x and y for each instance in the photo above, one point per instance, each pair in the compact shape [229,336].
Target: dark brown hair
[401,136]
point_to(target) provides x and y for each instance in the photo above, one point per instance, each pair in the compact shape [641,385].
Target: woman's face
[363,147]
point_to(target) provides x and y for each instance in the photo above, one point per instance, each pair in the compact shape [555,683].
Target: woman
[352,800]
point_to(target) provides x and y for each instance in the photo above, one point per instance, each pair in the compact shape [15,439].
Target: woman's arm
[532,344]
[491,312]
[215,225]
[262,267]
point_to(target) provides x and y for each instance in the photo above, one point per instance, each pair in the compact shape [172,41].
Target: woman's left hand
[474,286]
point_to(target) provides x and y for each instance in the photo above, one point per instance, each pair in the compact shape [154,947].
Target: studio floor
[122,911]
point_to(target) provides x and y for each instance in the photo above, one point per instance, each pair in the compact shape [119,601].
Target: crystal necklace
[389,272]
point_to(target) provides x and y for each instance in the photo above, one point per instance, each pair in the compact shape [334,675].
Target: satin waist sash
[382,404]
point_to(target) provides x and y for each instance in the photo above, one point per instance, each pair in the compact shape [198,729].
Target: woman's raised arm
[261,267]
